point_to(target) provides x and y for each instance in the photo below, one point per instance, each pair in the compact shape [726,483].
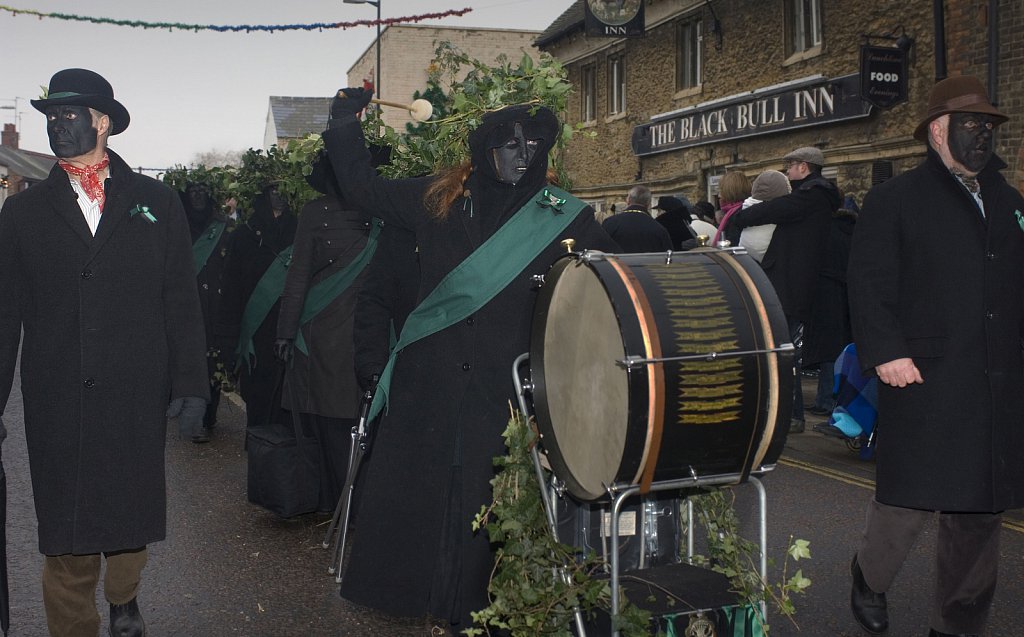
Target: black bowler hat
[81,87]
[671,204]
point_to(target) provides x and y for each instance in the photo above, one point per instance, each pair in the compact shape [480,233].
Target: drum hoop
[655,376]
[771,358]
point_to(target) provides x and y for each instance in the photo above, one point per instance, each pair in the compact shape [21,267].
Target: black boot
[869,608]
[934,633]
[126,620]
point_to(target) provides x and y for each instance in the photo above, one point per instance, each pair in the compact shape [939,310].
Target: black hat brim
[118,114]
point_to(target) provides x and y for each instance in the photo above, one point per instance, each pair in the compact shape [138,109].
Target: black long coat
[953,443]
[254,245]
[386,298]
[636,231]
[328,238]
[828,331]
[413,550]
[112,328]
[793,258]
[210,283]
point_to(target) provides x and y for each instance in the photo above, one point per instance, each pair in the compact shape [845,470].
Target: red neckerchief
[89,178]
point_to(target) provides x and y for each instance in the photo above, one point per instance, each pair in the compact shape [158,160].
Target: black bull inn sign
[787,106]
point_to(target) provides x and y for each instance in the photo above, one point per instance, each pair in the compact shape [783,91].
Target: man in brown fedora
[939,322]
[96,270]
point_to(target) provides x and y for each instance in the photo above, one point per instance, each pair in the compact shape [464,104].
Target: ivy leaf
[800,549]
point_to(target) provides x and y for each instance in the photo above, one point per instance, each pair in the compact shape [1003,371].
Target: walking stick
[360,445]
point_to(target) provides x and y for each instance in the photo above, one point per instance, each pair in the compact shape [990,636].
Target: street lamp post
[378,84]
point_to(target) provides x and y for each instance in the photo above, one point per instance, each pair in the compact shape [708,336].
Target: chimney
[10,136]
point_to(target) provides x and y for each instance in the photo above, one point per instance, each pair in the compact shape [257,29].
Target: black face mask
[513,156]
[970,139]
[277,200]
[198,197]
[70,130]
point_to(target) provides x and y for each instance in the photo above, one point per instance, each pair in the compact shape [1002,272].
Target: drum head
[586,393]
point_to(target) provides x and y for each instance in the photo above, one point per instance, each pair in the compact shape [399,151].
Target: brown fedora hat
[960,94]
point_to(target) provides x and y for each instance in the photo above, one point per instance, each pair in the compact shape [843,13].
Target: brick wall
[751,56]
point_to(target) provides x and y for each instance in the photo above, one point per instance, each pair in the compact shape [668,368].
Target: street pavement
[230,568]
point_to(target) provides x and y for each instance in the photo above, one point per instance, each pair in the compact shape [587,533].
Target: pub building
[677,92]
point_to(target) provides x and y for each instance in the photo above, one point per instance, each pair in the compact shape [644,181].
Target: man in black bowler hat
[96,269]
[940,324]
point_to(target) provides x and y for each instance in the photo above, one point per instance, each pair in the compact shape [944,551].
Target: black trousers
[967,560]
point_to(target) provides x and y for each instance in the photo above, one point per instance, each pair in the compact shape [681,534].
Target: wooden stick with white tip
[420,109]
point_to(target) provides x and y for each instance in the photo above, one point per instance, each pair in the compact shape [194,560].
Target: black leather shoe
[934,633]
[126,620]
[869,608]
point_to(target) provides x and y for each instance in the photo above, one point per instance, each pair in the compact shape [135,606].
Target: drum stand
[339,521]
[620,493]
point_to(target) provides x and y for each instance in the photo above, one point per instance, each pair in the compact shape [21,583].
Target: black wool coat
[793,258]
[677,222]
[636,231]
[210,282]
[953,443]
[112,329]
[413,549]
[254,245]
[828,331]
[386,298]
[329,237]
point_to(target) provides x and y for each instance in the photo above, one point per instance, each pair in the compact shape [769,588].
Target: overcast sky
[190,92]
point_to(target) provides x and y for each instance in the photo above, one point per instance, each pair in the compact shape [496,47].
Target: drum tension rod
[632,362]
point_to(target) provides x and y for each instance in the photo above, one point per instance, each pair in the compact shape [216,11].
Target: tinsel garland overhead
[170,26]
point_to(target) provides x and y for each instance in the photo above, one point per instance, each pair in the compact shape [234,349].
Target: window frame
[689,32]
[803,27]
[588,92]
[616,83]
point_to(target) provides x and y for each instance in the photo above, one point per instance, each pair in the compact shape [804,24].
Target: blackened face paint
[198,197]
[70,130]
[970,139]
[513,156]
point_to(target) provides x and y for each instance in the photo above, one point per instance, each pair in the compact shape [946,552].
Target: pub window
[803,25]
[616,84]
[588,93]
[688,54]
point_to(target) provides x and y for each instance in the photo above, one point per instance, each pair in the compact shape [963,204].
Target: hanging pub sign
[883,75]
[772,109]
[614,18]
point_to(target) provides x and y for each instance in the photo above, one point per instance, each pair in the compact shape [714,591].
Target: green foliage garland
[527,594]
[733,555]
[216,178]
[470,89]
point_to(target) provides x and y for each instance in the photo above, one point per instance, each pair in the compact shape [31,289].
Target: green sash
[263,297]
[204,245]
[484,273]
[323,293]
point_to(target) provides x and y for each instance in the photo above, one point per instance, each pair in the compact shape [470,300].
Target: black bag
[284,463]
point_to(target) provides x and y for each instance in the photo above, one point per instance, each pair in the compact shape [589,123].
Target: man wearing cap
[940,324]
[96,268]
[634,229]
[793,256]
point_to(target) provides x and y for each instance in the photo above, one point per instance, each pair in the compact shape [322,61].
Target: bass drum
[605,422]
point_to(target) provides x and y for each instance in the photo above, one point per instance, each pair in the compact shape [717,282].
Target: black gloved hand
[189,411]
[284,349]
[349,101]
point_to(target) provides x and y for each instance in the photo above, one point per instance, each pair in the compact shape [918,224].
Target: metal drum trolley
[655,372]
